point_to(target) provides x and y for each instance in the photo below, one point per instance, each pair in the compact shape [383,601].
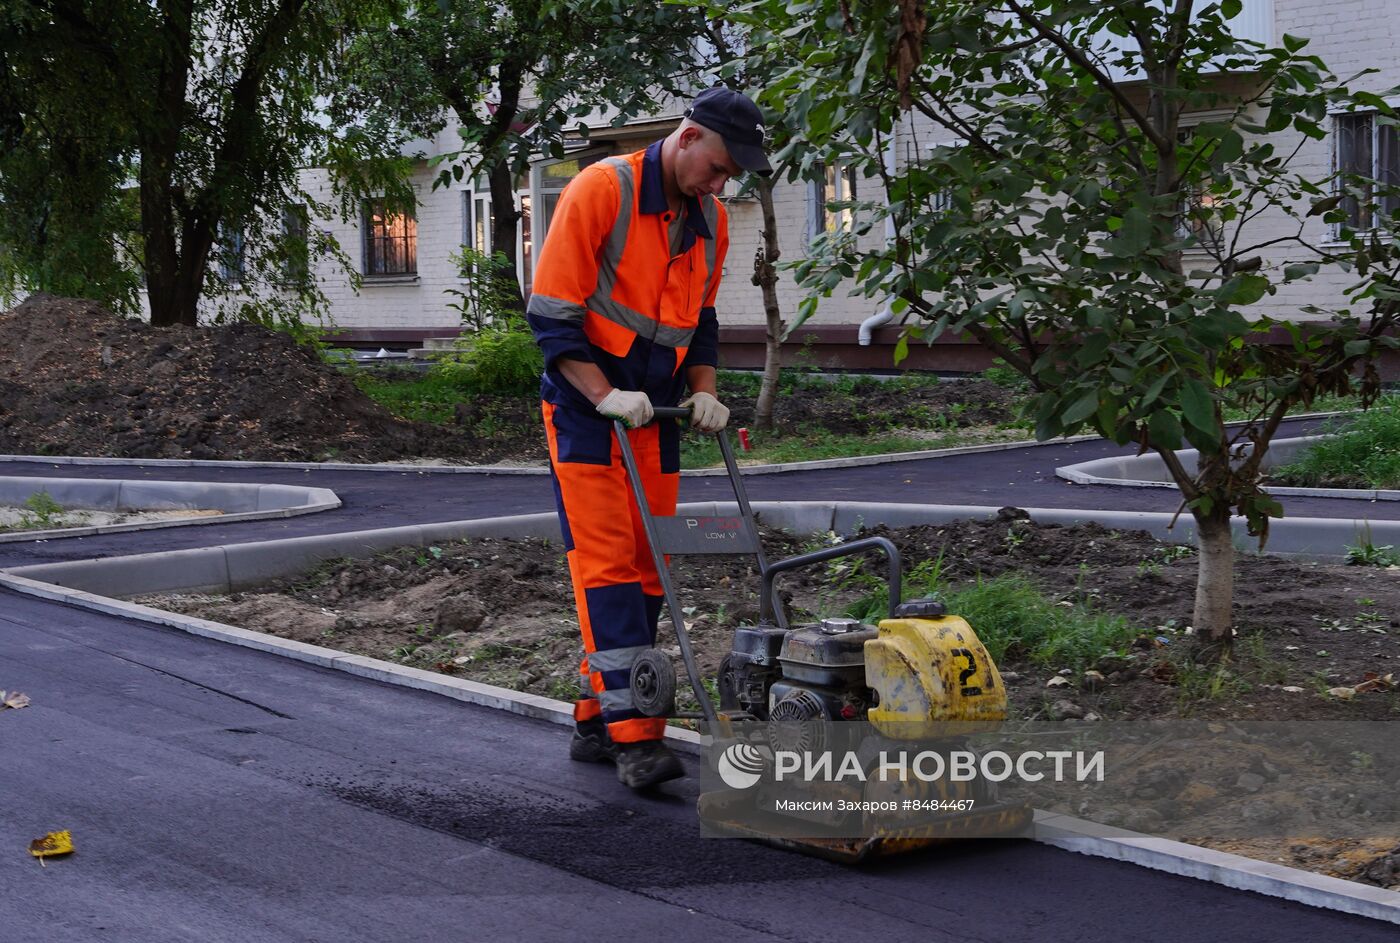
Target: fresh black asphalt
[1023,477]
[216,793]
[221,794]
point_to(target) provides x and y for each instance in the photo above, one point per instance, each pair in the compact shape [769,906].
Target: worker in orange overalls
[623,307]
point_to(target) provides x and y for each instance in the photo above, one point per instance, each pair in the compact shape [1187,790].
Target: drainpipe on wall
[886,312]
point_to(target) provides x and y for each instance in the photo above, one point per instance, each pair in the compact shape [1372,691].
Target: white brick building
[1349,35]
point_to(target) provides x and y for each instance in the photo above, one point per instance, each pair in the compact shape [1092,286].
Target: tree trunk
[161,256]
[502,179]
[160,145]
[765,275]
[503,226]
[1215,583]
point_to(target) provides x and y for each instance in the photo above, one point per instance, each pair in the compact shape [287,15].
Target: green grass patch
[1323,404]
[1012,616]
[748,383]
[1364,454]
[426,397]
[1368,554]
[771,448]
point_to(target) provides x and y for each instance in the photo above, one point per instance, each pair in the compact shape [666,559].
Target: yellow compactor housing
[928,672]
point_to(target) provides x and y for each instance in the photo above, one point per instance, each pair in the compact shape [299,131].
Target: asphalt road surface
[216,793]
[1023,477]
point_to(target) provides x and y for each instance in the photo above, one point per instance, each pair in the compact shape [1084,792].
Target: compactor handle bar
[765,599]
[671,412]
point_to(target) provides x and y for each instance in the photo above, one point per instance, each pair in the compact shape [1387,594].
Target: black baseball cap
[736,119]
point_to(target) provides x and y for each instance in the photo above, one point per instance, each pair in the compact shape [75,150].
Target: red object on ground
[744,440]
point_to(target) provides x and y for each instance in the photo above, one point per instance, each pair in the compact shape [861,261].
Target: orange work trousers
[616,588]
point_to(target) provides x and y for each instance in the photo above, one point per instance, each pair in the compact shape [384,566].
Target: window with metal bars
[1366,149]
[390,241]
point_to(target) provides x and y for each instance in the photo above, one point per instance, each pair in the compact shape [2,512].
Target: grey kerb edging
[433,469]
[239,502]
[237,567]
[1061,831]
[1149,471]
[856,461]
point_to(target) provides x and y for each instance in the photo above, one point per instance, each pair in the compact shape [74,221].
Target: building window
[1366,149]
[527,245]
[834,184]
[1196,213]
[295,247]
[391,241]
[550,181]
[231,254]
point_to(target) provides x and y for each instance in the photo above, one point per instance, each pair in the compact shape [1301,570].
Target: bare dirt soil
[501,612]
[77,380]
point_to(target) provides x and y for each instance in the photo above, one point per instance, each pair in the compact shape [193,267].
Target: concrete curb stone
[240,501]
[1218,867]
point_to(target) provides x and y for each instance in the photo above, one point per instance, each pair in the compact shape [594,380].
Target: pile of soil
[76,379]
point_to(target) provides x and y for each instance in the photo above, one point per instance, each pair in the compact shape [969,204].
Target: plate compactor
[918,674]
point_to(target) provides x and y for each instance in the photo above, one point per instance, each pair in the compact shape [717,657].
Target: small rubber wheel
[654,684]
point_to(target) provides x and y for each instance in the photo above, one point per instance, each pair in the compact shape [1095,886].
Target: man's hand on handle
[631,407]
[707,413]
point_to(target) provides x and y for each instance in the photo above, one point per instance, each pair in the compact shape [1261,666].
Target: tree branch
[1103,81]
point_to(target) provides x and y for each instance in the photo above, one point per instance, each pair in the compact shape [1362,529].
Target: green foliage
[1006,376]
[62,166]
[1365,453]
[490,295]
[1082,237]
[427,398]
[1368,554]
[1094,239]
[1012,616]
[1196,682]
[518,76]
[501,360]
[144,143]
[41,512]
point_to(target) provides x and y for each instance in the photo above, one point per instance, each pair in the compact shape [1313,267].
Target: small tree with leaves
[518,76]
[1101,224]
[194,120]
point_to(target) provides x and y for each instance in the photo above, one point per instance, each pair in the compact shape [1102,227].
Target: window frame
[1372,208]
[233,254]
[367,239]
[1186,225]
[295,269]
[831,176]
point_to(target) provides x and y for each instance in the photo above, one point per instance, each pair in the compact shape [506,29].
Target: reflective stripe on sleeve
[560,310]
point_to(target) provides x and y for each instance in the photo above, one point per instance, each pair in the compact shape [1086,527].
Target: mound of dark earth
[76,379]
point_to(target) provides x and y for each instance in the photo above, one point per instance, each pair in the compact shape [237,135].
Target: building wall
[1350,35]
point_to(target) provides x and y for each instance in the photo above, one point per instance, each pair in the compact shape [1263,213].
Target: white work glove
[707,413]
[630,406]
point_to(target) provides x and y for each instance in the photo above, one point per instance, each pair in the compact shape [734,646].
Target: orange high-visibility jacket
[607,289]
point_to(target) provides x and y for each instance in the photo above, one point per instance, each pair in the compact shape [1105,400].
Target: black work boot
[591,743]
[646,763]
